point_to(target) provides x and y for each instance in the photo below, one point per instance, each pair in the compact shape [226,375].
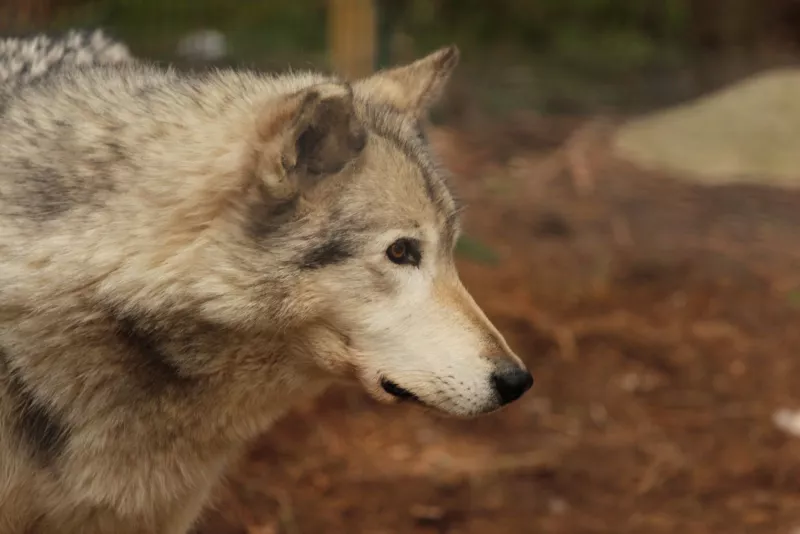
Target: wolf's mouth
[396,391]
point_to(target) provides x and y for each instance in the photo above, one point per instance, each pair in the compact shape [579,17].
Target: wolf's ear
[415,87]
[306,136]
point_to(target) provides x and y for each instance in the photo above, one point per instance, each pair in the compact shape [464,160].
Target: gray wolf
[185,256]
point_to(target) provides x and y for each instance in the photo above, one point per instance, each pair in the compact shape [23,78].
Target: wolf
[184,256]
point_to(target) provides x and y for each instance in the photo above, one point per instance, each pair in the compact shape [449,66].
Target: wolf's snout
[511,382]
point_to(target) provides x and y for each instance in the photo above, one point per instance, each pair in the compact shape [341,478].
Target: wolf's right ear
[306,136]
[415,87]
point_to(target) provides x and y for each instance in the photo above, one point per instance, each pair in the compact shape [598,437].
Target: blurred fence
[548,54]
[526,23]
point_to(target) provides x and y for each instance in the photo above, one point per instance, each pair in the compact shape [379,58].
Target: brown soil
[660,319]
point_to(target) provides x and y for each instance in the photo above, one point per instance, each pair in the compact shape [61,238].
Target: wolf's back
[26,59]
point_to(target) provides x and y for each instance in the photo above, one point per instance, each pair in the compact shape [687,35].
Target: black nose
[511,383]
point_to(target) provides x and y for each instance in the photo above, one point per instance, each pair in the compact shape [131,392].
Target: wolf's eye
[404,252]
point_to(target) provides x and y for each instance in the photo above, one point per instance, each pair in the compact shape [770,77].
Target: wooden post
[352,37]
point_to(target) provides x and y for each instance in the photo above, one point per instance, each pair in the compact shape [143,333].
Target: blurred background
[630,170]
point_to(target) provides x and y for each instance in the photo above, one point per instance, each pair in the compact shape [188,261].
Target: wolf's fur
[23,60]
[182,257]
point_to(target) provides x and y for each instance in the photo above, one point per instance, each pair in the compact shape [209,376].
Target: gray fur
[25,60]
[39,429]
[184,256]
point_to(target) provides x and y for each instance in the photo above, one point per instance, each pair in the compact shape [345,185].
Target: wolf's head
[299,211]
[360,226]
[307,211]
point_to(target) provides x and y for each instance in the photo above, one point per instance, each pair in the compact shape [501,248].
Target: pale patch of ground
[747,132]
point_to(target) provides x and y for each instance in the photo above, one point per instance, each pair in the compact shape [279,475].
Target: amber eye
[397,251]
[404,252]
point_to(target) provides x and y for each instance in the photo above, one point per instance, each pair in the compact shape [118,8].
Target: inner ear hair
[307,136]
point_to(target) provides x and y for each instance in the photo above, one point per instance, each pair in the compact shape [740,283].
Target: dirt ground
[660,319]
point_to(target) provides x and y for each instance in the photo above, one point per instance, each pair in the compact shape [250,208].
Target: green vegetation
[153,27]
[616,32]
[474,250]
[551,55]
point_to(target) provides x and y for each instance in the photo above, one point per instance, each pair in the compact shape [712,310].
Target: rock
[747,132]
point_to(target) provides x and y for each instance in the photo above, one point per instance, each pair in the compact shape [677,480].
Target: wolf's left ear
[307,135]
[415,87]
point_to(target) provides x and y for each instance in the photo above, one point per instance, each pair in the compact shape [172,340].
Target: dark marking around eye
[331,252]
